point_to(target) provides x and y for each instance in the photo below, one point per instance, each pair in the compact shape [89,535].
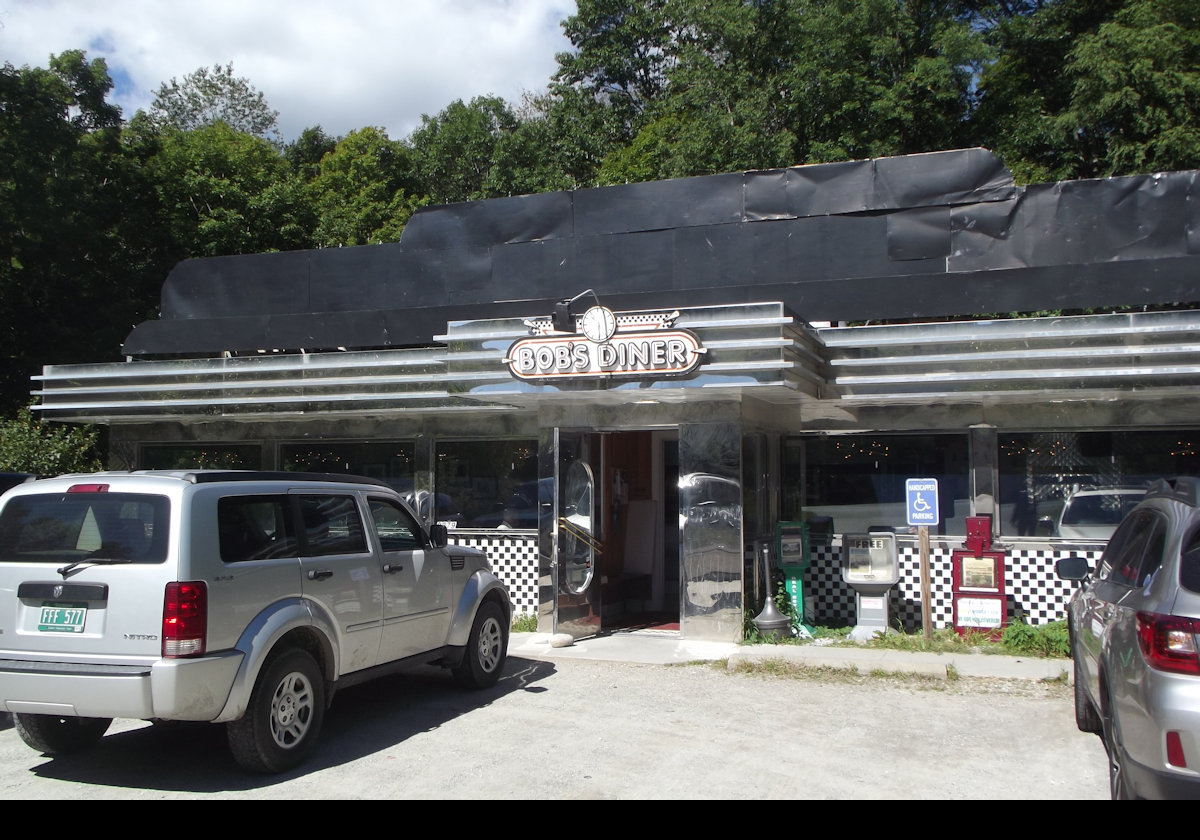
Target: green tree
[452,152]
[228,192]
[721,109]
[363,190]
[623,54]
[30,446]
[1026,90]
[83,248]
[1135,92]
[305,152]
[876,77]
[728,85]
[207,96]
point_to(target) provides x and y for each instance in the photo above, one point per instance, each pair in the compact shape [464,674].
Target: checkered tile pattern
[1034,591]
[514,559]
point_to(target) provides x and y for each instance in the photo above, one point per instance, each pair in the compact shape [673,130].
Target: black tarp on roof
[931,235]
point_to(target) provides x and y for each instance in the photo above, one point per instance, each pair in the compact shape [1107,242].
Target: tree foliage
[82,247]
[31,446]
[228,192]
[453,151]
[208,96]
[363,190]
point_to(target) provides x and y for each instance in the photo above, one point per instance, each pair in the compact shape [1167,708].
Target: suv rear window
[1189,563]
[255,528]
[63,528]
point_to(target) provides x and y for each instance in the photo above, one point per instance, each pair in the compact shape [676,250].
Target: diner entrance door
[617,521]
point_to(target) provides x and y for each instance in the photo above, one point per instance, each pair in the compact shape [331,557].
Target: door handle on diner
[319,574]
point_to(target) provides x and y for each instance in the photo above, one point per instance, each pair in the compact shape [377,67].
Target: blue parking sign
[922,496]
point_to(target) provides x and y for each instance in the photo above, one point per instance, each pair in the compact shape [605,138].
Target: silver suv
[1135,640]
[243,598]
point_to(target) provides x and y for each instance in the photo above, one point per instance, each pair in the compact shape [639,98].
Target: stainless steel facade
[767,374]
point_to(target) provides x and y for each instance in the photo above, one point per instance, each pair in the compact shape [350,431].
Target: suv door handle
[391,568]
[319,574]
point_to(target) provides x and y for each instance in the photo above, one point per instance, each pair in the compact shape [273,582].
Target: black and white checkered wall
[1033,591]
[514,560]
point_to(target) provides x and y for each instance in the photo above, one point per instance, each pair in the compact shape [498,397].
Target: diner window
[1080,484]
[390,461]
[199,456]
[858,481]
[489,483]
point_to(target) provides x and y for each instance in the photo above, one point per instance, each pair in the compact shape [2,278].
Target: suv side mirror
[438,535]
[1072,568]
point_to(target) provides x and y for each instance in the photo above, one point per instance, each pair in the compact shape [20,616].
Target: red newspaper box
[979,599]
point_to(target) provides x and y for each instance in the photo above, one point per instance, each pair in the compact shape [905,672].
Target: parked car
[12,479]
[1135,640]
[241,598]
[1094,513]
[522,509]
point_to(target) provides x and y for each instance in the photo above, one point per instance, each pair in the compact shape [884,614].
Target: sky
[339,64]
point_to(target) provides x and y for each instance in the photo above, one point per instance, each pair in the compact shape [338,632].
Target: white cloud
[343,65]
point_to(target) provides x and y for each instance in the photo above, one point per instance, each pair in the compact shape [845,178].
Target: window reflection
[859,480]
[1079,485]
[490,483]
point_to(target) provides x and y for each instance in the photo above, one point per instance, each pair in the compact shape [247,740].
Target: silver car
[241,598]
[1135,640]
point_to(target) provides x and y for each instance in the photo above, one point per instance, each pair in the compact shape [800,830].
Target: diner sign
[609,346]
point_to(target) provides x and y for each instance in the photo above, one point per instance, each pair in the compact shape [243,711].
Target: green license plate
[62,618]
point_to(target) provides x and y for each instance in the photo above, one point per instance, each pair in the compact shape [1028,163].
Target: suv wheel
[1085,713]
[1118,785]
[284,717]
[53,735]
[486,650]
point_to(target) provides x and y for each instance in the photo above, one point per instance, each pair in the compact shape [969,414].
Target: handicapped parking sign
[922,494]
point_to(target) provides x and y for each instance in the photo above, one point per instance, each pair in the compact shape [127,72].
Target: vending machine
[871,566]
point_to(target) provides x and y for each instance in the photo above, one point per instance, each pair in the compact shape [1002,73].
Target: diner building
[641,398]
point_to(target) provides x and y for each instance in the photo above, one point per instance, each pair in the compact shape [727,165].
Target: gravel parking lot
[583,729]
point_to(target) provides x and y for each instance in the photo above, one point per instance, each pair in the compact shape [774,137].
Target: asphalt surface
[637,716]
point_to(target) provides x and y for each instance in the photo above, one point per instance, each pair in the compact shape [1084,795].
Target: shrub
[1047,640]
[31,446]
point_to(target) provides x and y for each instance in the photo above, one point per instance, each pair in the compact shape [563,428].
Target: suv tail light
[185,619]
[1168,642]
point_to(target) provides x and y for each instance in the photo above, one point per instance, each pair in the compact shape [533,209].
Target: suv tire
[1118,784]
[285,714]
[487,647]
[53,735]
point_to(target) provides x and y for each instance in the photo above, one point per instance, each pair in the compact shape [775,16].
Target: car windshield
[69,527]
[1099,509]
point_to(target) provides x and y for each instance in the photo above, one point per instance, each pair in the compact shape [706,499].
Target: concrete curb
[670,649]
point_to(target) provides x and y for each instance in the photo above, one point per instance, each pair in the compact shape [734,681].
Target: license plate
[62,618]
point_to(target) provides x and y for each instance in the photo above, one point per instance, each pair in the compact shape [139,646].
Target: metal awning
[756,348]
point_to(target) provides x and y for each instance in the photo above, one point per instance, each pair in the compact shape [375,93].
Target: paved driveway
[588,729]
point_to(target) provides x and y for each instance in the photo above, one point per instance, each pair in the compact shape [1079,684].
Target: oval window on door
[577,524]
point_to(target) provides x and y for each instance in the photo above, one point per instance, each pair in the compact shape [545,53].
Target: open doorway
[639,500]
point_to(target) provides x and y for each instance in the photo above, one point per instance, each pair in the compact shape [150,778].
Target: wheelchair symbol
[920,505]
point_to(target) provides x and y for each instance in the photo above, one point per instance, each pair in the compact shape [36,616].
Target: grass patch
[1046,641]
[525,623]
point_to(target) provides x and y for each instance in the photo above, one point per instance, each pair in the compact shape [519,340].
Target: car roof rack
[210,476]
[1184,488]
